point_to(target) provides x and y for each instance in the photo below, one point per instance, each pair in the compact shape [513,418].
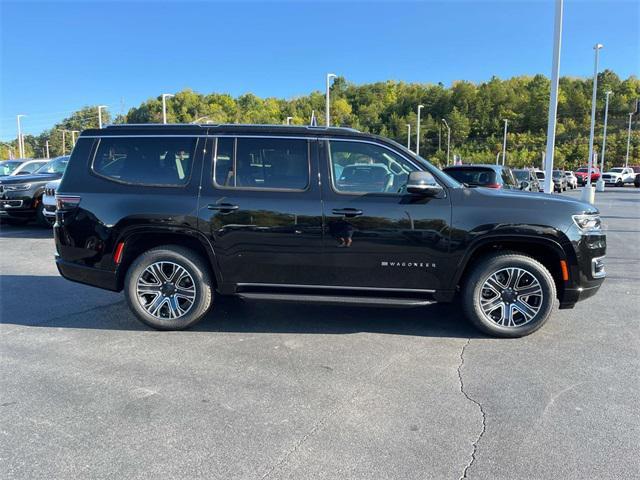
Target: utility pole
[409,136]
[586,195]
[600,182]
[553,98]
[420,107]
[289,120]
[626,161]
[164,106]
[504,142]
[327,119]
[439,137]
[73,138]
[64,143]
[46,144]
[20,137]
[100,107]
[448,138]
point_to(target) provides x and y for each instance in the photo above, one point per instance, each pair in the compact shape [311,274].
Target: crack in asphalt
[482,412]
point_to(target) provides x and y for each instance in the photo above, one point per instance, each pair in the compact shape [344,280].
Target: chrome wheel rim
[511,297]
[166,290]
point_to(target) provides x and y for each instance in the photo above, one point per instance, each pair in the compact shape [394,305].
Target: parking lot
[274,391]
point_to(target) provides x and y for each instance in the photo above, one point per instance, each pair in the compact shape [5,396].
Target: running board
[337,299]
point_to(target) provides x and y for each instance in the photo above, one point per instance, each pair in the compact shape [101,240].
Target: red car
[583,172]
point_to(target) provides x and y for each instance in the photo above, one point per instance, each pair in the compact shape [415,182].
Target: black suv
[174,215]
[489,176]
[21,195]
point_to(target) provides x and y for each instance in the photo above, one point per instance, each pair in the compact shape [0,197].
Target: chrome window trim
[335,287]
[169,135]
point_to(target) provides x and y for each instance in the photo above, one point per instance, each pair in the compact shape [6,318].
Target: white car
[572,180]
[541,177]
[49,201]
[619,176]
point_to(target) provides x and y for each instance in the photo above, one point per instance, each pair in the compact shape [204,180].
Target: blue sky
[59,56]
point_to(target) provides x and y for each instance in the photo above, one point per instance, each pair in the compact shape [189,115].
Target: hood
[42,177]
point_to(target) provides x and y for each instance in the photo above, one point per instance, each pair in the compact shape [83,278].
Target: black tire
[619,183]
[198,270]
[636,181]
[40,218]
[473,290]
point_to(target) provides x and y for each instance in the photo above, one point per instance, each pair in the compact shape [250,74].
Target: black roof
[212,129]
[477,165]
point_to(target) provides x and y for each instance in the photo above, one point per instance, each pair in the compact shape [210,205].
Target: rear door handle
[223,207]
[347,212]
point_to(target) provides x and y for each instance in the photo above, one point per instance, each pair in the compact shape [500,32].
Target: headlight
[587,223]
[18,187]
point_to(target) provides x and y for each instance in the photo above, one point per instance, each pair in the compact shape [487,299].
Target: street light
[327,118]
[600,182]
[46,144]
[20,137]
[409,136]
[504,142]
[420,107]
[73,138]
[448,138]
[164,106]
[626,161]
[498,157]
[587,191]
[553,98]
[100,107]
[64,142]
[289,120]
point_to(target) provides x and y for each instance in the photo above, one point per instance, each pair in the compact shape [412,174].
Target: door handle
[347,212]
[223,207]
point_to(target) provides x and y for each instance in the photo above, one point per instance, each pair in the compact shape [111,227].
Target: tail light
[67,202]
[493,185]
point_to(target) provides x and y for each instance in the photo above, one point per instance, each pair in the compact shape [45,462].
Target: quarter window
[358,167]
[146,161]
[265,163]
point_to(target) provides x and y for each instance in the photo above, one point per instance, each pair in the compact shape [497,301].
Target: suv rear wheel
[508,295]
[169,288]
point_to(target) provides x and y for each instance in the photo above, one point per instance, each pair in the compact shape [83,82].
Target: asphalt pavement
[275,391]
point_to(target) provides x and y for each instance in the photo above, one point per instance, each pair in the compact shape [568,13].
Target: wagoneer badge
[408,264]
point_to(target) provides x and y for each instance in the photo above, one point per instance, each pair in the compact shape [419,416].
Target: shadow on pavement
[63,304]
[30,230]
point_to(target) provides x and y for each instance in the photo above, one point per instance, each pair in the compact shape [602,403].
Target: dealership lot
[276,391]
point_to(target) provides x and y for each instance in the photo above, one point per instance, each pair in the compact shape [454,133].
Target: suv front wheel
[508,295]
[169,288]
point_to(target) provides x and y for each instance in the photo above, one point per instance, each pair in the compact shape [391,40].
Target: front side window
[57,165]
[32,167]
[358,167]
[7,167]
[146,161]
[263,163]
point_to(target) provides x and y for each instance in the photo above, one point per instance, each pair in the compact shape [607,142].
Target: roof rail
[237,125]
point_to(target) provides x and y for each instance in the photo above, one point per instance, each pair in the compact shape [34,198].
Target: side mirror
[524,185]
[423,183]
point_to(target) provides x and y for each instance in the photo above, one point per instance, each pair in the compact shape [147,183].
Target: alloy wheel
[511,297]
[166,290]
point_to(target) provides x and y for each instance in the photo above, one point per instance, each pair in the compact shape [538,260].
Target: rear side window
[473,176]
[262,163]
[165,161]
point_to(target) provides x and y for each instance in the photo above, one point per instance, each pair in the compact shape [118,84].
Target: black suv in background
[489,176]
[174,215]
[21,195]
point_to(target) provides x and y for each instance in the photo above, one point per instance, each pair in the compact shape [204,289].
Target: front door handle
[347,212]
[223,207]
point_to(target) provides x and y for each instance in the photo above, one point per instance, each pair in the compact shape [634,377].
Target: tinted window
[32,167]
[270,163]
[146,161]
[473,176]
[57,165]
[358,167]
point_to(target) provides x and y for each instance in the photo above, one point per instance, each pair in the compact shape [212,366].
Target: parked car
[49,201]
[559,181]
[572,180]
[618,176]
[176,215]
[527,179]
[490,176]
[636,179]
[583,172]
[541,176]
[21,195]
[10,168]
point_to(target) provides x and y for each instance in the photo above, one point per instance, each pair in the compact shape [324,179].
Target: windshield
[521,175]
[540,175]
[557,174]
[583,169]
[7,167]
[473,175]
[617,170]
[57,165]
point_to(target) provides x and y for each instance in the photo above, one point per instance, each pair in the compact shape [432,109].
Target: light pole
[46,144]
[553,98]
[420,107]
[626,161]
[504,142]
[20,138]
[498,157]
[587,191]
[64,142]
[448,138]
[409,136]
[100,107]
[73,138]
[164,106]
[327,118]
[289,120]
[600,182]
